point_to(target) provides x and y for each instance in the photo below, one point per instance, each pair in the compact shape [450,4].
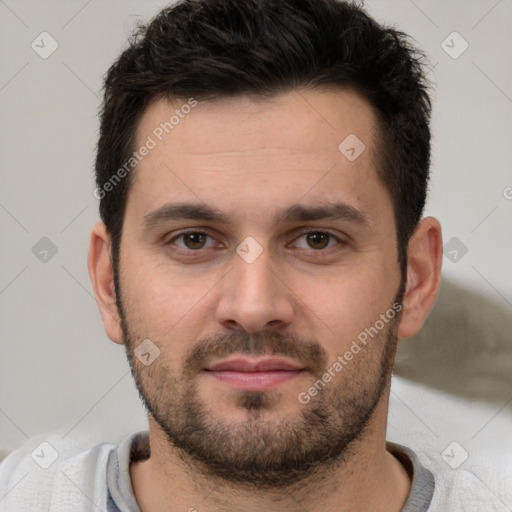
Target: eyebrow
[331,211]
[178,211]
[296,213]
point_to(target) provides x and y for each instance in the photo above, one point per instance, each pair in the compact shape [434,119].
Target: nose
[253,297]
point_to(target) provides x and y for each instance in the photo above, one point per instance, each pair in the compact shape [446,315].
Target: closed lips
[246,365]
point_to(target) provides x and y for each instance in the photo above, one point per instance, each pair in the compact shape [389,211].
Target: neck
[370,479]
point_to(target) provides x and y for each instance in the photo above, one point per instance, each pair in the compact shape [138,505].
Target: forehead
[305,120]
[256,151]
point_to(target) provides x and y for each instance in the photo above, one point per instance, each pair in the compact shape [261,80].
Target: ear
[102,278]
[424,261]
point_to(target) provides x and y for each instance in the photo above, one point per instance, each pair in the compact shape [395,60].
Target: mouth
[254,374]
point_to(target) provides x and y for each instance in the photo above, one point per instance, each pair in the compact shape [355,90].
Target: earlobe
[102,279]
[424,262]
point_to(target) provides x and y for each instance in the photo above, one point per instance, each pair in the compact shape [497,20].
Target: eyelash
[190,232]
[304,233]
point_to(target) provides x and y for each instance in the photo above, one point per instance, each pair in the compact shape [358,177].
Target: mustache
[309,354]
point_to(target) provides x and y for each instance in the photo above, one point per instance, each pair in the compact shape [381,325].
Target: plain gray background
[57,367]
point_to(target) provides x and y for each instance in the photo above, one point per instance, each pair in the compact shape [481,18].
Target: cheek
[161,302]
[343,307]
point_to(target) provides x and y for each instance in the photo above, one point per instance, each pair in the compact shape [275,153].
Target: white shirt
[98,479]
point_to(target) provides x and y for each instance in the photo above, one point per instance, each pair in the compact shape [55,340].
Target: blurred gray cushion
[464,347]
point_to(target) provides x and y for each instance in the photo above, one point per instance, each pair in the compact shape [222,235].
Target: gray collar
[423,482]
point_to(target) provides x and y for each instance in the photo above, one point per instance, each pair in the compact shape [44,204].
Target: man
[262,169]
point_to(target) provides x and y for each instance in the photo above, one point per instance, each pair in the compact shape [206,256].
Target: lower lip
[255,381]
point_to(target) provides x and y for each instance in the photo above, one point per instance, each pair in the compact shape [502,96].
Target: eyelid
[309,230]
[183,232]
[204,231]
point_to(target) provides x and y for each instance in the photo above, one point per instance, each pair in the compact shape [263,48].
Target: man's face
[227,256]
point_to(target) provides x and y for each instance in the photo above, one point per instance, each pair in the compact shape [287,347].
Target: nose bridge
[253,276]
[252,296]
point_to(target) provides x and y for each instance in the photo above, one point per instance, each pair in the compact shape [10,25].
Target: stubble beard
[262,450]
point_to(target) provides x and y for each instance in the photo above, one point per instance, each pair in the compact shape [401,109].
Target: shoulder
[49,473]
[463,443]
[465,491]
[484,486]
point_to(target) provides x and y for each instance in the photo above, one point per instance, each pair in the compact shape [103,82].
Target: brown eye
[194,240]
[318,240]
